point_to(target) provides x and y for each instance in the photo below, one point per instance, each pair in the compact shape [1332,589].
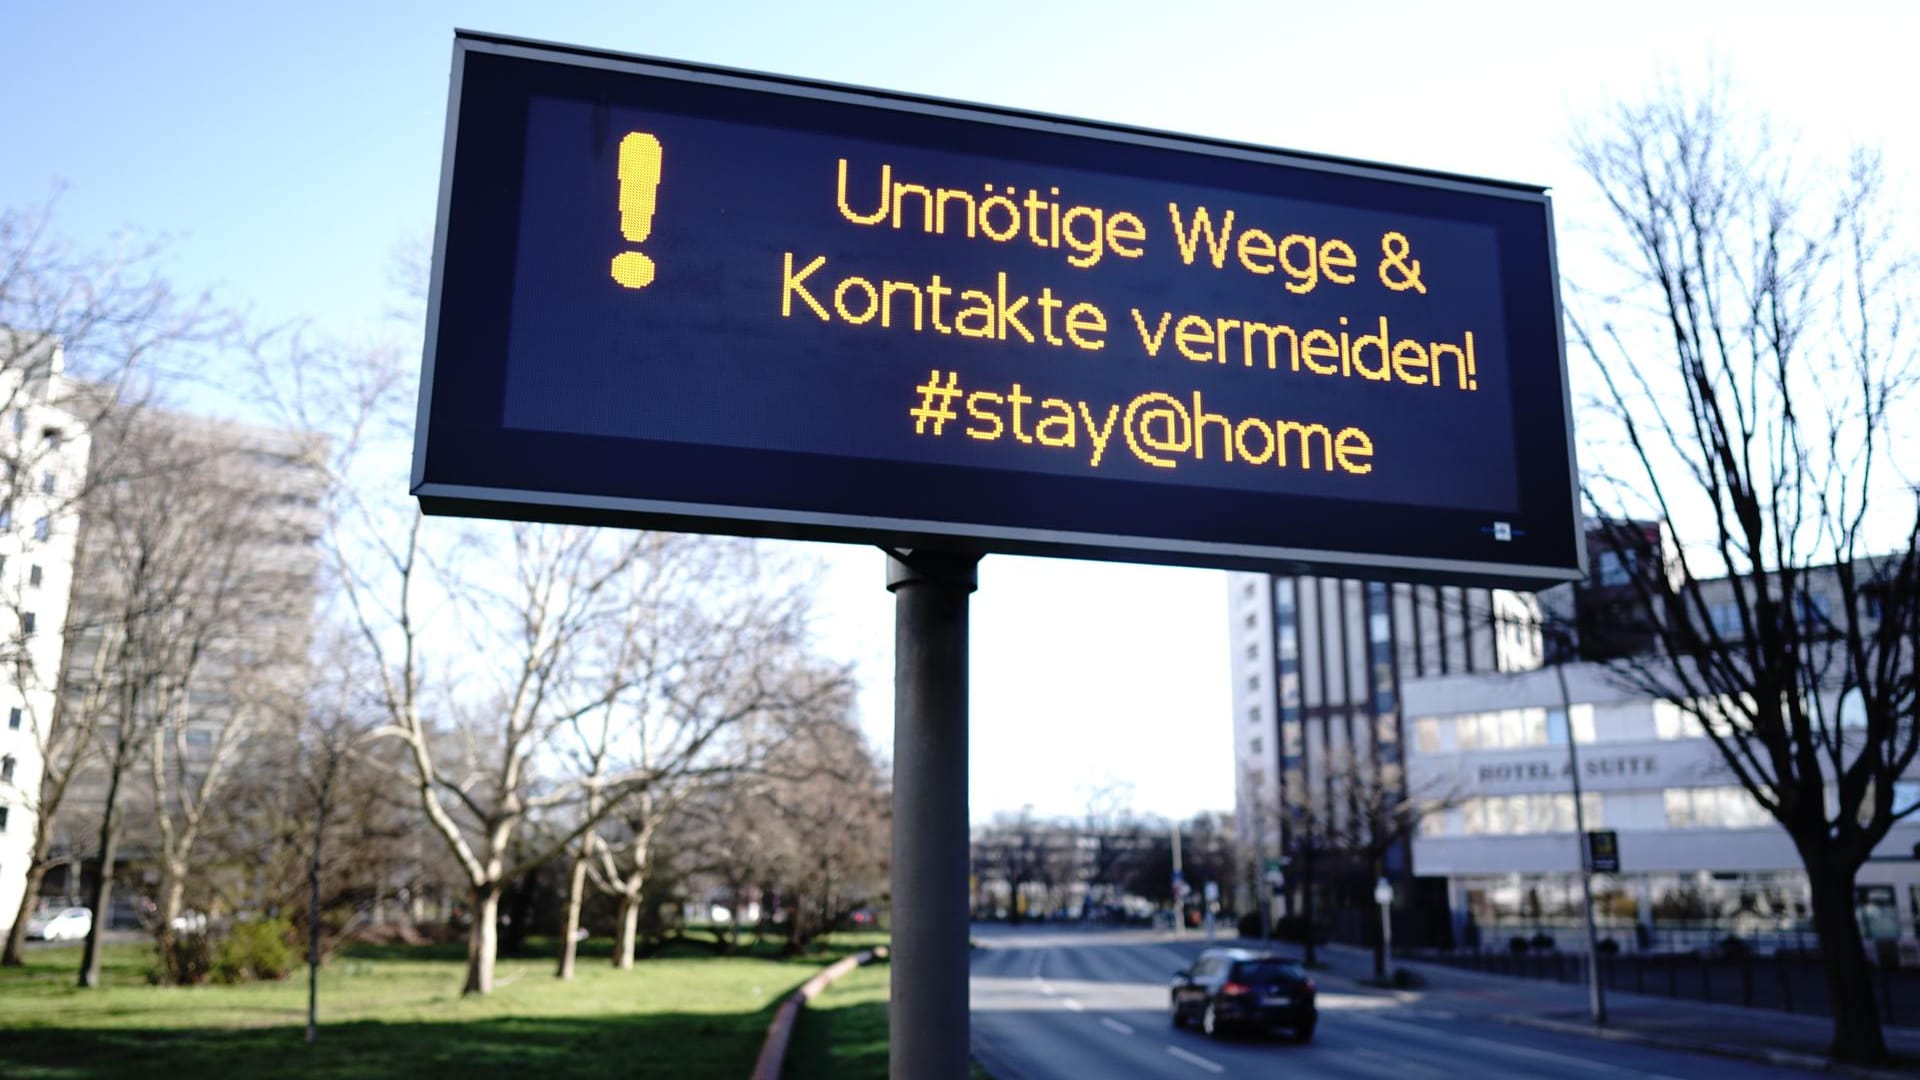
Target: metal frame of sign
[439,496]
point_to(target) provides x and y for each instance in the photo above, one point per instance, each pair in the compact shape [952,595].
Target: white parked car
[67,924]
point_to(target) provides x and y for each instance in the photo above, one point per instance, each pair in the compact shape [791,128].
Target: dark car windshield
[1269,971]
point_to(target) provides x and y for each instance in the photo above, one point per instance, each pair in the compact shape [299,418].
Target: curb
[1787,1058]
[773,1052]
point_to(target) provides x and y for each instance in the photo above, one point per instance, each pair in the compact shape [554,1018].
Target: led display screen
[675,296]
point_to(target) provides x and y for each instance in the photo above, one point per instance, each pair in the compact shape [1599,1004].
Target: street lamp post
[1596,994]
[1383,895]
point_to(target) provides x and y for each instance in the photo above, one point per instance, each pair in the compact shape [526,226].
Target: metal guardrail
[1794,982]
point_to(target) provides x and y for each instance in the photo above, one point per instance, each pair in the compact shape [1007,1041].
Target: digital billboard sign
[669,295]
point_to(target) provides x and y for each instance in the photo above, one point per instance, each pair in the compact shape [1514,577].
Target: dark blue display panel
[675,296]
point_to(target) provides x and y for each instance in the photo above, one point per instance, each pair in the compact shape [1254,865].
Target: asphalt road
[1074,1005]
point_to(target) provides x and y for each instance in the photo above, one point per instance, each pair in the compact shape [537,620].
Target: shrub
[1516,944]
[1608,947]
[1735,947]
[182,960]
[256,950]
[1544,942]
[1250,925]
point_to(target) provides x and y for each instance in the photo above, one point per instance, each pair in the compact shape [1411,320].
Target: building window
[1812,610]
[1615,567]
[1906,795]
[1253,682]
[6,517]
[1671,721]
[1253,715]
[47,483]
[34,575]
[1252,620]
[1714,808]
[19,421]
[6,769]
[1426,734]
[26,622]
[42,528]
[3,818]
[1256,746]
[1253,650]
[1725,619]
[52,435]
[1514,815]
[13,719]
[1250,590]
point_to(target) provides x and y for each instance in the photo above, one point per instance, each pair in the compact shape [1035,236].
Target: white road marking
[1196,1059]
[1046,988]
[1072,1005]
[1116,1025]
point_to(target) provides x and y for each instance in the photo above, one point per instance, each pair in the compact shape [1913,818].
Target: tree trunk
[173,892]
[483,940]
[629,929]
[16,954]
[101,897]
[570,925]
[1857,1036]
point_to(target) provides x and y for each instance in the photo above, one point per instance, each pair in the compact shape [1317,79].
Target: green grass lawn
[842,1035]
[398,1011]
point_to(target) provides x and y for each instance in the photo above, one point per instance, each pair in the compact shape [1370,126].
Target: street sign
[1603,851]
[678,296]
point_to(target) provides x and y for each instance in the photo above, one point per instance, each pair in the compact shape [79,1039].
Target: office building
[1318,668]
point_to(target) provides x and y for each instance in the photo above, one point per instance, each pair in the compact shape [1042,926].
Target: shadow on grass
[846,1042]
[679,1045]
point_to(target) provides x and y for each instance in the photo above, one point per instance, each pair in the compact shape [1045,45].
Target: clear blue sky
[289,150]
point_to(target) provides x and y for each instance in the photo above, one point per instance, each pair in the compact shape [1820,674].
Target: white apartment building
[43,462]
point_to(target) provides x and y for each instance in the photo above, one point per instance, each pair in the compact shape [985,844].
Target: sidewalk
[1754,1034]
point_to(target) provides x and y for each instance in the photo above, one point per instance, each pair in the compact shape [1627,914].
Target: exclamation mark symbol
[639,172]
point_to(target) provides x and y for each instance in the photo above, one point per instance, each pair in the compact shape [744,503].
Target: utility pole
[1596,994]
[1179,886]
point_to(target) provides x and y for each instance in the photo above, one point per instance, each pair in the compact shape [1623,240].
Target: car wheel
[1210,1022]
[1303,1033]
[1179,1021]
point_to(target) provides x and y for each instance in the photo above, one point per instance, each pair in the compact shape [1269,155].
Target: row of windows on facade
[42,527]
[1513,729]
[1723,807]
[1516,815]
[17,419]
[49,481]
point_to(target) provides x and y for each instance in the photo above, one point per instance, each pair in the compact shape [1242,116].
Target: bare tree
[169,570]
[80,333]
[1755,365]
[722,681]
[477,773]
[829,808]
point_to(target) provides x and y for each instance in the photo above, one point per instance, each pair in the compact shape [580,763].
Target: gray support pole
[1596,994]
[929,1038]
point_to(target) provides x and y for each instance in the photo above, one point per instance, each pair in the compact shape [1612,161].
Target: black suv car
[1228,988]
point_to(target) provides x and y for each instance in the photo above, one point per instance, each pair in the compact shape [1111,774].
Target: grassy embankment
[387,1011]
